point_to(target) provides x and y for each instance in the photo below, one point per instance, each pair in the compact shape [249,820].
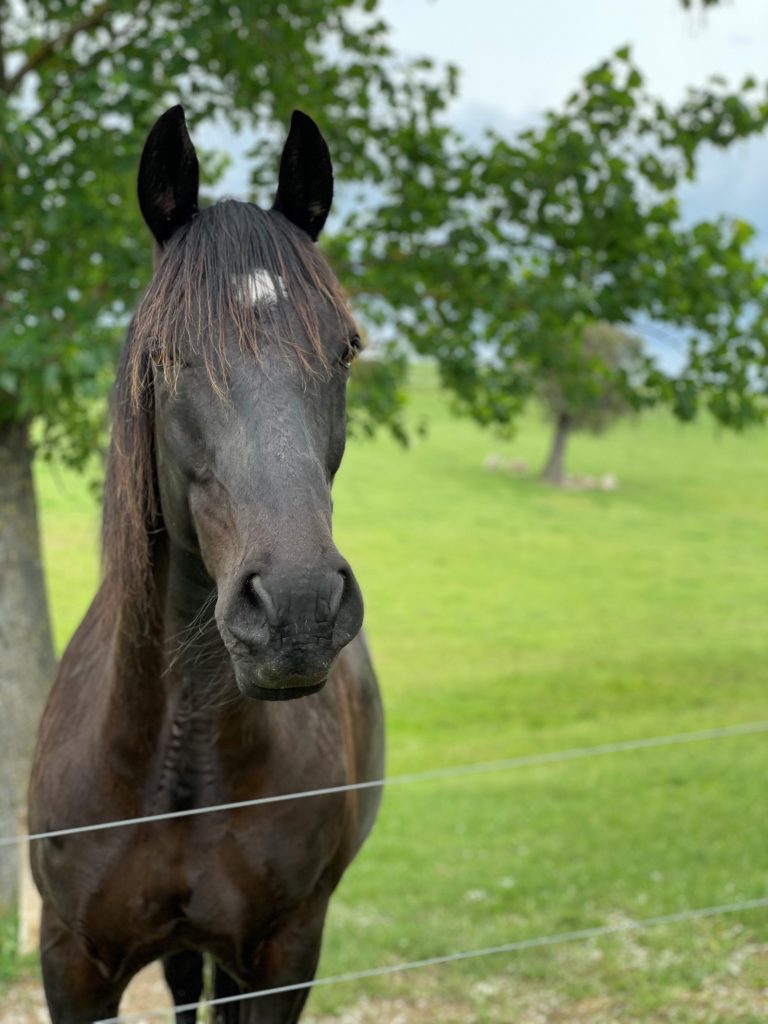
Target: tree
[588,391]
[80,83]
[494,261]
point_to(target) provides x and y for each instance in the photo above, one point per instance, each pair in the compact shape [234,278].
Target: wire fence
[439,774]
[560,938]
[431,775]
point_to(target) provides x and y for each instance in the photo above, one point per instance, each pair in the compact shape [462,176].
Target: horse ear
[168,176]
[305,183]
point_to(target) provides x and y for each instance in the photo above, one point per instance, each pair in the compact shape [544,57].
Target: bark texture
[554,470]
[26,649]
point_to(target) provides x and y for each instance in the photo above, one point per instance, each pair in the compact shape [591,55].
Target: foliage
[508,618]
[495,259]
[592,385]
[79,86]
[376,396]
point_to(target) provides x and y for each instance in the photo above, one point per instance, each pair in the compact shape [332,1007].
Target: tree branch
[53,45]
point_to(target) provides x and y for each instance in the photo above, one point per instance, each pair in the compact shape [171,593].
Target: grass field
[507,618]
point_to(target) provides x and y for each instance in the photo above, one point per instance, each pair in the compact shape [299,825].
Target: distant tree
[590,389]
[495,260]
[80,83]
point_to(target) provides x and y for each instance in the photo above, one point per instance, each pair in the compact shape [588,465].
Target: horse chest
[221,882]
[264,857]
[219,877]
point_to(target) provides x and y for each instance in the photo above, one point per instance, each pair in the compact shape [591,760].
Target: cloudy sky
[520,57]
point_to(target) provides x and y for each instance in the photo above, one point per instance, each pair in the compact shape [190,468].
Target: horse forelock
[235,270]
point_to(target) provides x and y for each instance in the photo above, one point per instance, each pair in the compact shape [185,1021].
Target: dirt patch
[499,1000]
[24,1002]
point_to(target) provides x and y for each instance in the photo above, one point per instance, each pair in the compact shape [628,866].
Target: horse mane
[195,303]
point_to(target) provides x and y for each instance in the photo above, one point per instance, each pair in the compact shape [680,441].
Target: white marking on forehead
[260,288]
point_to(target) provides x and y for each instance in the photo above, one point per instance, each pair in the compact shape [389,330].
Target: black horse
[223,597]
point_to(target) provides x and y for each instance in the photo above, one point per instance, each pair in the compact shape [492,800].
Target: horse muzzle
[284,630]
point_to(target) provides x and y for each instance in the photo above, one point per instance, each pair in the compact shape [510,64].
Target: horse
[222,659]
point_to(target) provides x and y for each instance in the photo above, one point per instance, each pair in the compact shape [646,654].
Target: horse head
[245,341]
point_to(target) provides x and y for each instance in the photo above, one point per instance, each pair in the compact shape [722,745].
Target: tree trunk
[554,470]
[26,649]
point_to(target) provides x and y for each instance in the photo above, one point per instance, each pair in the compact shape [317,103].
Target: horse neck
[195,656]
[169,659]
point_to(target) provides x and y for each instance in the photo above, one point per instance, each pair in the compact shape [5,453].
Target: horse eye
[353,347]
[161,359]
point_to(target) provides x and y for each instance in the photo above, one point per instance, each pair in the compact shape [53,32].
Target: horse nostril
[259,598]
[324,606]
[348,613]
[338,587]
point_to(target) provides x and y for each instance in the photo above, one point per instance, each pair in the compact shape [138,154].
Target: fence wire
[431,775]
[472,954]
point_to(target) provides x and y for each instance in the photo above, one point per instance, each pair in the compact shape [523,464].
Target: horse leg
[290,956]
[184,975]
[77,989]
[223,986]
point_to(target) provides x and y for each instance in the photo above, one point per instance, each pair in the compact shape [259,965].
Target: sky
[518,58]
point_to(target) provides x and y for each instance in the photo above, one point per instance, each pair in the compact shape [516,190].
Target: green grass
[12,963]
[508,618]
[9,958]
